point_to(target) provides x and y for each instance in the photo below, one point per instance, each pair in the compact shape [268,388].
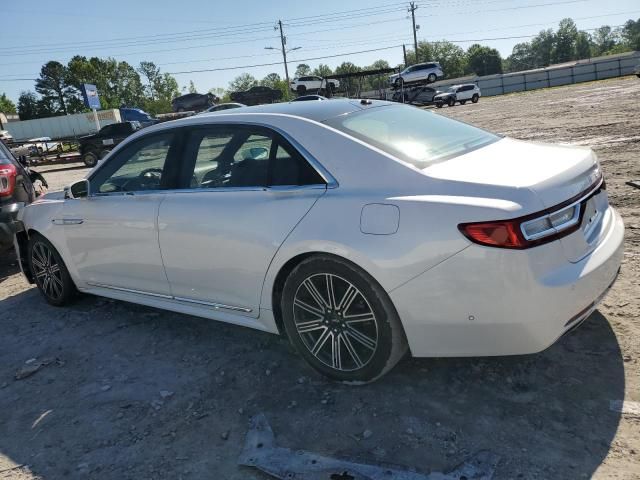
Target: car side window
[107,130]
[288,167]
[227,158]
[139,167]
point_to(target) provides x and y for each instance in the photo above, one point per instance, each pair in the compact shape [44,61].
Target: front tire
[462,102]
[431,78]
[341,321]
[475,98]
[451,102]
[90,159]
[49,271]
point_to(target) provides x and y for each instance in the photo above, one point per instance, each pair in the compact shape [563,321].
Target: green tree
[565,41]
[160,88]
[631,34]
[27,105]
[6,105]
[542,46]
[604,39]
[522,58]
[242,82]
[450,56]
[52,85]
[483,60]
[192,87]
[583,45]
[271,80]
[302,70]
[322,70]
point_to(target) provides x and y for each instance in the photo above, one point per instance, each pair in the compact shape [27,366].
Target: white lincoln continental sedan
[360,229]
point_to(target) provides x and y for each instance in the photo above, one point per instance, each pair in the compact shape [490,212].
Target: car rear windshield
[416,136]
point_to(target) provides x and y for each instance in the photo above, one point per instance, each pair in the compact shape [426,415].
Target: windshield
[416,136]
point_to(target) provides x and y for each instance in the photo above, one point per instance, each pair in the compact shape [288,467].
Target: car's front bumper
[485,301]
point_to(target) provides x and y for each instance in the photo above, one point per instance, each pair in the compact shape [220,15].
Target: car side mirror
[77,190]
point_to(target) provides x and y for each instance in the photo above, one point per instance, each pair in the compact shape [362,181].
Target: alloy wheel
[47,271]
[335,322]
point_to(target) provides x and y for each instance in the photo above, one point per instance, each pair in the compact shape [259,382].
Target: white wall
[64,126]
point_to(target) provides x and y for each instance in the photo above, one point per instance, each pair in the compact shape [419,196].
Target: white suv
[458,93]
[420,72]
[313,82]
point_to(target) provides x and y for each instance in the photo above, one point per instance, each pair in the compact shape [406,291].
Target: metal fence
[555,75]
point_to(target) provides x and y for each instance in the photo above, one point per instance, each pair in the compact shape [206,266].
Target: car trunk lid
[554,173]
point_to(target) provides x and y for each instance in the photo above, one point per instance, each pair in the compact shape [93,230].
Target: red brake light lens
[8,175]
[504,234]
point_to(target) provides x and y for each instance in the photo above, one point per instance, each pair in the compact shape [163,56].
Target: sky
[190,35]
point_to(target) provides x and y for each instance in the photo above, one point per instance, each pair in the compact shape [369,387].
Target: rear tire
[475,98]
[341,321]
[462,102]
[438,105]
[301,89]
[49,271]
[431,78]
[90,159]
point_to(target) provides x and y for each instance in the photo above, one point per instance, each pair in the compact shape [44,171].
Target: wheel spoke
[313,291]
[352,351]
[36,263]
[41,273]
[321,341]
[55,268]
[360,318]
[37,253]
[308,308]
[331,294]
[336,360]
[360,337]
[56,286]
[310,326]
[348,298]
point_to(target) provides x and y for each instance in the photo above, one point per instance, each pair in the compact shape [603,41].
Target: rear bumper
[486,301]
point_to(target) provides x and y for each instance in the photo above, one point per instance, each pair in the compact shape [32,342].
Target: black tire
[462,102]
[399,82]
[439,105]
[90,159]
[431,78]
[451,102]
[362,362]
[301,89]
[475,98]
[49,271]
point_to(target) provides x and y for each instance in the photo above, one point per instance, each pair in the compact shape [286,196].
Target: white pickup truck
[313,83]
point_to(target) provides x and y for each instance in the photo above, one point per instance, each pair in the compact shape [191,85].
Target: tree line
[57,90]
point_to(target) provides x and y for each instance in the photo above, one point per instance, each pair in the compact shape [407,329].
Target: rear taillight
[8,175]
[534,229]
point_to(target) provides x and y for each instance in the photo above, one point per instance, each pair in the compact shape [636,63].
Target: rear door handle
[67,221]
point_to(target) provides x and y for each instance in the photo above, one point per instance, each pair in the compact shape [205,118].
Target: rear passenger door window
[245,157]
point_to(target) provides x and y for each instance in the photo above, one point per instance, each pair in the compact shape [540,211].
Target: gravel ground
[128,392]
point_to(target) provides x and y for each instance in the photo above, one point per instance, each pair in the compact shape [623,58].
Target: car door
[410,75]
[112,234]
[246,189]
[464,93]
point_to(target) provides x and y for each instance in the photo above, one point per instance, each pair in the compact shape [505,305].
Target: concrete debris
[261,452]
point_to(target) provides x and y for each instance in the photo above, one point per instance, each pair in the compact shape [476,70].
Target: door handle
[67,221]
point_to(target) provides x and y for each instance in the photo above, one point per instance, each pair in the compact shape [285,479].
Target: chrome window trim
[570,223]
[215,305]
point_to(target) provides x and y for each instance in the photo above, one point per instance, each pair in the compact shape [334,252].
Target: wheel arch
[276,283]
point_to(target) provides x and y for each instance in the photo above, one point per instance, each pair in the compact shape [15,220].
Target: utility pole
[404,53]
[283,41]
[412,9]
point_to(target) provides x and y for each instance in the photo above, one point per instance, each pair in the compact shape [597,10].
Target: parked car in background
[393,230]
[128,114]
[95,147]
[306,98]
[257,95]
[37,146]
[223,106]
[313,83]
[458,93]
[16,190]
[421,72]
[6,137]
[193,102]
[420,95]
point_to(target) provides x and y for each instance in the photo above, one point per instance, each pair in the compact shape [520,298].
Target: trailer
[63,126]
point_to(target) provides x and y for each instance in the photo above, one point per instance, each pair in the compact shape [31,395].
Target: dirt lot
[135,393]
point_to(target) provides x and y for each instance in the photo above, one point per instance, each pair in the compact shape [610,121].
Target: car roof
[317,111]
